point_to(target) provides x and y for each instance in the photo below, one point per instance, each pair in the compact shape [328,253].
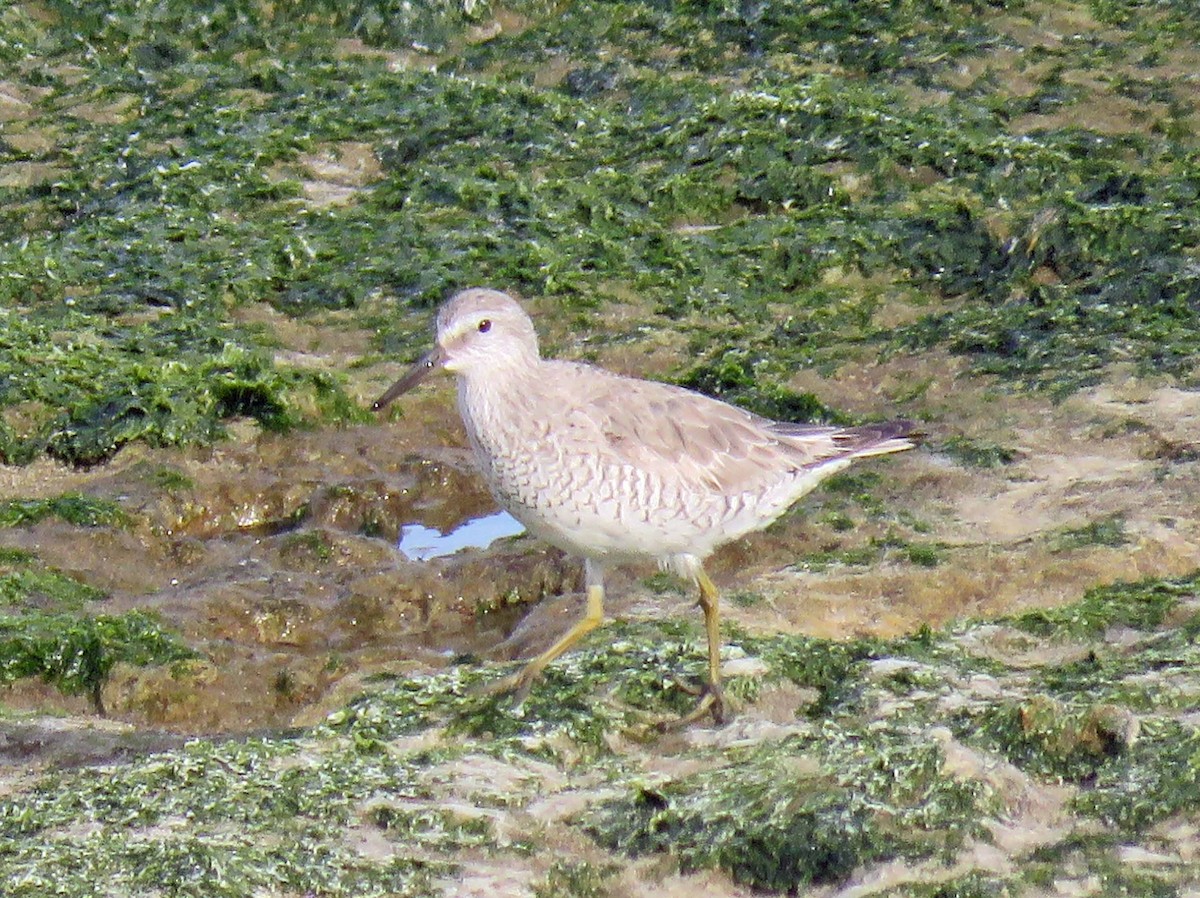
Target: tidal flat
[971,670]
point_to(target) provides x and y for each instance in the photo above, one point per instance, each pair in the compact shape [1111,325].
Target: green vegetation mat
[1021,178]
[922,749]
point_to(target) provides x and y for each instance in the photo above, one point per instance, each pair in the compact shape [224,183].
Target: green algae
[622,678]
[77,653]
[170,383]
[856,485]
[1106,531]
[636,674]
[35,586]
[575,880]
[874,551]
[26,584]
[1041,736]
[745,599]
[924,555]
[752,174]
[11,556]
[835,669]
[973,885]
[1159,779]
[802,811]
[1106,719]
[1143,605]
[860,778]
[735,378]
[170,479]
[1098,855]
[224,864]
[664,582]
[259,820]
[314,546]
[977,453]
[1155,678]
[74,508]
[1134,774]
[49,628]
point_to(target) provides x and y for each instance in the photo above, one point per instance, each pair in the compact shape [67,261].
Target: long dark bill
[429,362]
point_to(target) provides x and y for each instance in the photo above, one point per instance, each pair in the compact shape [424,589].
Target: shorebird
[616,469]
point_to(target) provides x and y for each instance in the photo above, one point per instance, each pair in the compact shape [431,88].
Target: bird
[617,469]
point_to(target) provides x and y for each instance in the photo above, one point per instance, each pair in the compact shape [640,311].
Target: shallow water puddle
[420,543]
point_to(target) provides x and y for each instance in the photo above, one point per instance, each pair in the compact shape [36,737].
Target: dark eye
[485,325]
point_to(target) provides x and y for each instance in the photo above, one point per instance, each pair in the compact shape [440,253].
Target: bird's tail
[876,439]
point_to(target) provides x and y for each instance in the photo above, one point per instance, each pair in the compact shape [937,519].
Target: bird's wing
[694,439]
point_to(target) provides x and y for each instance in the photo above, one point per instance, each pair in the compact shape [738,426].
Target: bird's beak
[429,362]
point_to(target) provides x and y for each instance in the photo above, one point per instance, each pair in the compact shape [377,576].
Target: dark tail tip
[887,430]
[901,428]
[878,439]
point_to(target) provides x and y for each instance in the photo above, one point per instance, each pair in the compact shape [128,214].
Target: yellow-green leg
[712,697]
[520,682]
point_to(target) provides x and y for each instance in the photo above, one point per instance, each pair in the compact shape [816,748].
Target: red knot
[616,469]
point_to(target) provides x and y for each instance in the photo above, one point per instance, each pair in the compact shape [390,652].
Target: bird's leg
[712,697]
[520,682]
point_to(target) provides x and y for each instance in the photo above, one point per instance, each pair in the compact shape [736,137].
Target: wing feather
[697,441]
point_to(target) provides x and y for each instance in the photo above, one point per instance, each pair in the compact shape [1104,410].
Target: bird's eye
[485,325]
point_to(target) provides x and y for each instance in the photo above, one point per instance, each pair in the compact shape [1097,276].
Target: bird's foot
[712,701]
[517,685]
